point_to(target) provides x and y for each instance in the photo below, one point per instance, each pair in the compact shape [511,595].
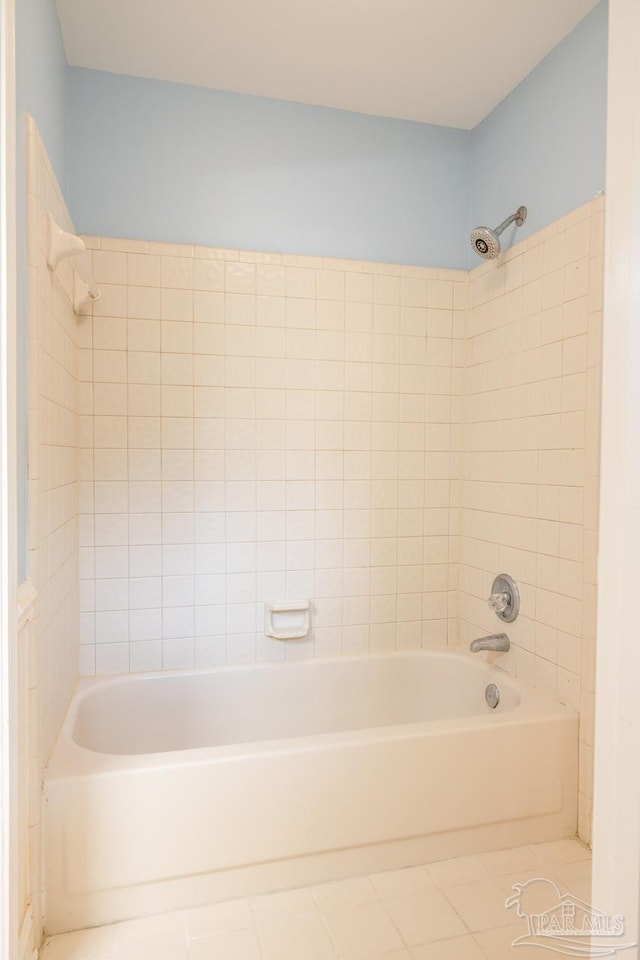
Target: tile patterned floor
[453,910]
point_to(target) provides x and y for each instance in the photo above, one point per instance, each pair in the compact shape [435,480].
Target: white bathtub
[169,790]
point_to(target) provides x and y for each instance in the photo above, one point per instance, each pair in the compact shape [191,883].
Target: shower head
[486,242]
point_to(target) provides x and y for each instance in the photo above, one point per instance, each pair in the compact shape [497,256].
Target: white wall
[53,486]
[529,501]
[616,886]
[260,427]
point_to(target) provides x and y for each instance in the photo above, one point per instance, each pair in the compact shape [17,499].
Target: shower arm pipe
[516,217]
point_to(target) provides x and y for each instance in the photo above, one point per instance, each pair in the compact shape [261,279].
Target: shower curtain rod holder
[60,245]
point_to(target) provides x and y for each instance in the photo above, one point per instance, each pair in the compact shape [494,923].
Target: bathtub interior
[156,713]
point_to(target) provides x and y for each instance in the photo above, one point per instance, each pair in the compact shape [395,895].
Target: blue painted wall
[42,78]
[172,162]
[42,91]
[166,161]
[545,144]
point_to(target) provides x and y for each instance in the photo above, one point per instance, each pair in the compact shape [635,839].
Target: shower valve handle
[499,602]
[504,599]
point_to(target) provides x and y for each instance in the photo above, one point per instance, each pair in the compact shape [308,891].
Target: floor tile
[401,883]
[362,931]
[219,918]
[481,905]
[345,893]
[498,944]
[394,955]
[304,936]
[459,948]
[275,907]
[171,950]
[509,861]
[576,879]
[561,851]
[420,913]
[422,918]
[539,887]
[237,945]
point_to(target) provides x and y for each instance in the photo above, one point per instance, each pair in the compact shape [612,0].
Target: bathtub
[166,791]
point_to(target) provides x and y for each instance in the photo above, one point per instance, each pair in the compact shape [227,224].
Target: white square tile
[362,931]
[503,862]
[143,303]
[240,278]
[170,950]
[424,918]
[481,905]
[219,918]
[177,272]
[109,267]
[234,945]
[208,308]
[575,878]
[144,655]
[277,908]
[178,654]
[144,399]
[498,943]
[109,334]
[176,305]
[210,651]
[146,626]
[176,337]
[143,270]
[208,275]
[143,368]
[458,948]
[561,851]
[345,893]
[297,937]
[112,658]
[300,282]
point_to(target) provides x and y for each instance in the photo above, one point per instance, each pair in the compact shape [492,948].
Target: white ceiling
[437,61]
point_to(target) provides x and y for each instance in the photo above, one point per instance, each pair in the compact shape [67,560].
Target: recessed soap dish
[287,619]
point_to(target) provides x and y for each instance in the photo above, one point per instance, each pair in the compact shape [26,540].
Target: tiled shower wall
[260,427]
[529,502]
[52,660]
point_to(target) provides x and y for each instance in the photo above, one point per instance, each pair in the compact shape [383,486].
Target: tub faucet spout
[496,641]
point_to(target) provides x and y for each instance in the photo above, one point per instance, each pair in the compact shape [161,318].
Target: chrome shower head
[486,242]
